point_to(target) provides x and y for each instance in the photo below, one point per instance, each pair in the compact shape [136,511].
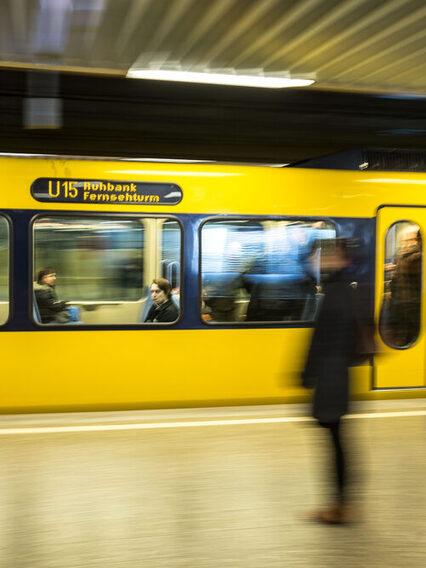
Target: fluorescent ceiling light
[218,78]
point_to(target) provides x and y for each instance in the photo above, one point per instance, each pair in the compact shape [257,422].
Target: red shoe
[337,515]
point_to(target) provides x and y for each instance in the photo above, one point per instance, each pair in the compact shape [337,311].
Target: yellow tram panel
[197,363]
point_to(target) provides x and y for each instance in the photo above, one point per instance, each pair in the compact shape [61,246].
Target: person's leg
[339,460]
[336,514]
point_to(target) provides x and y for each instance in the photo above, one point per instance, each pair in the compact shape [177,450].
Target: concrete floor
[80,492]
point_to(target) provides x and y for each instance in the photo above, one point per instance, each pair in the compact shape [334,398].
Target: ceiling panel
[356,45]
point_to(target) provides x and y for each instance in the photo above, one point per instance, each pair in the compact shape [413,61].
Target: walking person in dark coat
[330,355]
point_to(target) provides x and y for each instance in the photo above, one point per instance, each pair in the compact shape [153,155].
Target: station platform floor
[209,488]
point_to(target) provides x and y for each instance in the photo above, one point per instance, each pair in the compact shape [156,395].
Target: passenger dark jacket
[407,281]
[332,349]
[166,312]
[49,306]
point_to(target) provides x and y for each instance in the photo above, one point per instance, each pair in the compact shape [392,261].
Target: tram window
[170,253]
[400,314]
[4,270]
[260,270]
[104,266]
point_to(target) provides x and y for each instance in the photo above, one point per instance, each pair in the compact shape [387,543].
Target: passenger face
[410,240]
[330,262]
[49,279]
[158,296]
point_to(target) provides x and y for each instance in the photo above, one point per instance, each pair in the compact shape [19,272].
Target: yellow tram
[231,239]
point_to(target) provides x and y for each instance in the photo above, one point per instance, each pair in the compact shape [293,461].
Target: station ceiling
[356,45]
[368,58]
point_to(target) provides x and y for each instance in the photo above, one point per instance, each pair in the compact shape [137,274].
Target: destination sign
[95,191]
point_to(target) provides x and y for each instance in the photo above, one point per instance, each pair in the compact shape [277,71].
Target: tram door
[400,304]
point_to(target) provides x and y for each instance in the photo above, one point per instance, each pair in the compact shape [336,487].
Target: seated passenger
[206,312]
[163,309]
[278,291]
[219,296]
[51,309]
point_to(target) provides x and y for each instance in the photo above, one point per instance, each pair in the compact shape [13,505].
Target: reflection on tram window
[400,317]
[104,266]
[4,270]
[260,270]
[170,253]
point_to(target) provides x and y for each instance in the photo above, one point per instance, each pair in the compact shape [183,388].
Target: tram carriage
[233,241]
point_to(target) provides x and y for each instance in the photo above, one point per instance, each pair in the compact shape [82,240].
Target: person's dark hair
[164,285]
[44,272]
[347,247]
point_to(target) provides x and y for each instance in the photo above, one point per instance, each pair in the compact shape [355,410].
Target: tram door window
[103,266]
[259,270]
[4,270]
[400,317]
[400,309]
